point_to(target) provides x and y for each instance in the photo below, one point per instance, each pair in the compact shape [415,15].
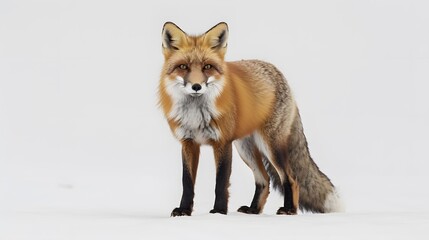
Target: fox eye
[207,66]
[183,66]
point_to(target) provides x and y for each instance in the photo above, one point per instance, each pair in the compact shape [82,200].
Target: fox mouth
[195,94]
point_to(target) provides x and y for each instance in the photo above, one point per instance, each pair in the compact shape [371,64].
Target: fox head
[194,65]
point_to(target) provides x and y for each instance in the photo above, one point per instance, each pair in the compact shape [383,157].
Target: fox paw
[285,211]
[221,211]
[248,210]
[181,212]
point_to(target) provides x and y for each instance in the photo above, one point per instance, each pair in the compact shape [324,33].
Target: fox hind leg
[250,154]
[277,155]
[289,183]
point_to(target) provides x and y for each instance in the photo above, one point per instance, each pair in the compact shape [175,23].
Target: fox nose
[196,87]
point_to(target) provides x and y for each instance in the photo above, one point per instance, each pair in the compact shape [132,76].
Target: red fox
[207,100]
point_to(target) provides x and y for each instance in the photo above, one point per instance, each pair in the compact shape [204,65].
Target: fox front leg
[190,157]
[223,158]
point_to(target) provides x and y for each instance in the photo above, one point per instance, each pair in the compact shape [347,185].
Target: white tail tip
[333,202]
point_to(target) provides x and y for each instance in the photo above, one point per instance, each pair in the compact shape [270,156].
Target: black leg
[223,157]
[251,155]
[281,160]
[288,206]
[190,155]
[255,205]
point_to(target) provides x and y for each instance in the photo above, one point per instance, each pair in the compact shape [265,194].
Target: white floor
[106,225]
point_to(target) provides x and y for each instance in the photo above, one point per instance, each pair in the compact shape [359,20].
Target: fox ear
[216,38]
[173,38]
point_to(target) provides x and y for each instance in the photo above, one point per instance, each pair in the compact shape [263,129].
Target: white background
[86,154]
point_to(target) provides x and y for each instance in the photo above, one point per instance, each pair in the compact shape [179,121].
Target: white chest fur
[194,115]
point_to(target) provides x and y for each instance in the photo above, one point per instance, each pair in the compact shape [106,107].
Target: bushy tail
[316,192]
